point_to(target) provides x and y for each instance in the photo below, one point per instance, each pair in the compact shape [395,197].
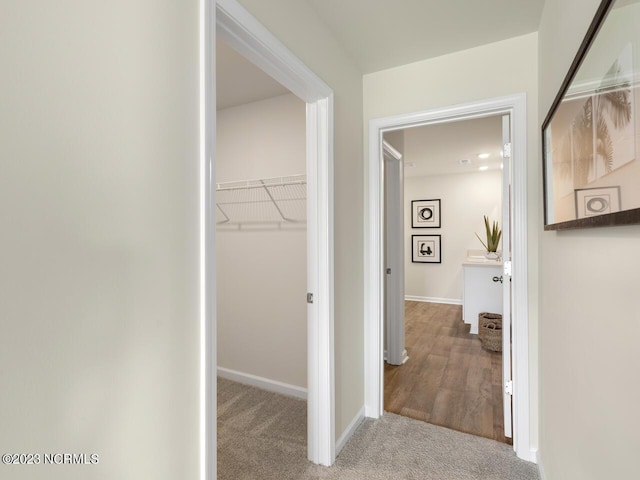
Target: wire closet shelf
[277,200]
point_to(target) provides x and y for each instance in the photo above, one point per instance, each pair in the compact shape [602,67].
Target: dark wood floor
[449,379]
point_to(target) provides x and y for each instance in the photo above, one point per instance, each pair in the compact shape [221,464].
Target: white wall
[261,271]
[465,199]
[588,426]
[99,317]
[488,71]
[314,44]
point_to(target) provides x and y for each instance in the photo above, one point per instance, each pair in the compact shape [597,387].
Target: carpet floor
[262,436]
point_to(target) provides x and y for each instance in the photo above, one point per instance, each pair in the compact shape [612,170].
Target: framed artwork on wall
[426,249]
[425,213]
[591,135]
[597,201]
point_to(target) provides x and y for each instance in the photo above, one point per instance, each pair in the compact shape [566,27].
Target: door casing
[515,106]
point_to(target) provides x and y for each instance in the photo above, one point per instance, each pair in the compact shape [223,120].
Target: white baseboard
[263,383]
[538,460]
[349,431]
[448,301]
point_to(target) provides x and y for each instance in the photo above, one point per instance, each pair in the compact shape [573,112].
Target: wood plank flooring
[449,379]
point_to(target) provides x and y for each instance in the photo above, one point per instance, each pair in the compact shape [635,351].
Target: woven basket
[490,331]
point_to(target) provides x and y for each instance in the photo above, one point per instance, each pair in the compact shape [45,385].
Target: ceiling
[381,34]
[438,149]
[238,81]
[434,149]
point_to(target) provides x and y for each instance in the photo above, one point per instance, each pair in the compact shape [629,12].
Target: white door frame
[515,105]
[233,23]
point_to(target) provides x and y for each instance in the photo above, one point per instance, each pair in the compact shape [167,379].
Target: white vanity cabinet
[480,293]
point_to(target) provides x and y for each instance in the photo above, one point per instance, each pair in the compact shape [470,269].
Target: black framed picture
[425,213]
[591,135]
[426,249]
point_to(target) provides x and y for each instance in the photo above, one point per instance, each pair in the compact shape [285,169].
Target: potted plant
[494,233]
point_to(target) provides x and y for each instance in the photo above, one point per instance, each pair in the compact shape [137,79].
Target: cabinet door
[481,293]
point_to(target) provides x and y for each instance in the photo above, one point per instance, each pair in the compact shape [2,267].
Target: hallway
[262,435]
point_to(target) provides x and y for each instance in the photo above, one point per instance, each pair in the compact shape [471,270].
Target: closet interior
[261,238]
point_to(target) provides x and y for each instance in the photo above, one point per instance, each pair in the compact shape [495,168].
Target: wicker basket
[490,331]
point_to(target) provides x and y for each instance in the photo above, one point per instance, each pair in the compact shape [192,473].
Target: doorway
[452,178]
[515,106]
[228,20]
[260,230]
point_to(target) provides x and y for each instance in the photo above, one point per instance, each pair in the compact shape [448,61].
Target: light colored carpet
[262,436]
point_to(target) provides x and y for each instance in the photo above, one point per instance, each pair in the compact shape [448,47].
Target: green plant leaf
[493,233]
[483,244]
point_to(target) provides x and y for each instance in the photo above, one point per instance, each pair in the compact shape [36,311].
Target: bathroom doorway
[452,173]
[517,338]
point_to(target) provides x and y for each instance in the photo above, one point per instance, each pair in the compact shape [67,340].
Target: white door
[506,277]
[394,256]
